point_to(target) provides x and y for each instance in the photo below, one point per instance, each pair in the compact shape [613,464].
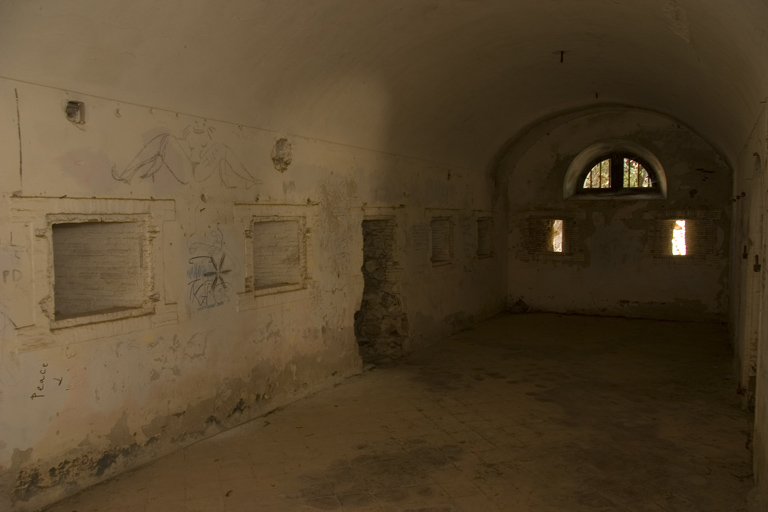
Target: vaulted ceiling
[444,80]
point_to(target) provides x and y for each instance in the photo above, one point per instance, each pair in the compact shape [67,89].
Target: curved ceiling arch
[448,81]
[509,155]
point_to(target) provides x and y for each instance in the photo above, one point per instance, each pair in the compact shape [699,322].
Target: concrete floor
[531,413]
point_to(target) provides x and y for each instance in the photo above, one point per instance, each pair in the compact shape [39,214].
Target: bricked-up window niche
[277,254]
[442,240]
[484,237]
[99,267]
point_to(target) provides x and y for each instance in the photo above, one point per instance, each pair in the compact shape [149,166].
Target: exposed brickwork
[381,324]
[700,238]
[540,232]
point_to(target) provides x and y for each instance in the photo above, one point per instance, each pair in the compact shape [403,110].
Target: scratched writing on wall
[40,388]
[11,276]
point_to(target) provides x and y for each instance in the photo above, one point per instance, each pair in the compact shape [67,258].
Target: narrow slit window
[678,238]
[599,176]
[556,236]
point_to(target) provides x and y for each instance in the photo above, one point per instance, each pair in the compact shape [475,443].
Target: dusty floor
[530,413]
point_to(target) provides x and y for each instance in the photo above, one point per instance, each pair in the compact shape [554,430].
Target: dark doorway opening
[381,325]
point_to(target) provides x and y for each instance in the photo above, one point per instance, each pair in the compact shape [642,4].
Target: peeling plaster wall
[84,398]
[749,307]
[608,266]
[748,241]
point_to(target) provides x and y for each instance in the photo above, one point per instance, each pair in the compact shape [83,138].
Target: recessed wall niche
[484,237]
[276,243]
[442,240]
[276,253]
[85,239]
[98,267]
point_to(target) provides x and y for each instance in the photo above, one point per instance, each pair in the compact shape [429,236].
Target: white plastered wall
[87,398]
[749,292]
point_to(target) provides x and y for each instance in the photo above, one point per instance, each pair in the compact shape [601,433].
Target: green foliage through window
[635,175]
[599,176]
[627,174]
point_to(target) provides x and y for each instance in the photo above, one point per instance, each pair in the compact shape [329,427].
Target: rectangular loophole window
[691,239]
[484,237]
[98,268]
[555,242]
[442,240]
[276,253]
[546,235]
[678,238]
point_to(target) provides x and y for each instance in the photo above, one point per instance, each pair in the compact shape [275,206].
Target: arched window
[616,173]
[615,169]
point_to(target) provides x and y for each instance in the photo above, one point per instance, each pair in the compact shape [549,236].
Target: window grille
[618,173]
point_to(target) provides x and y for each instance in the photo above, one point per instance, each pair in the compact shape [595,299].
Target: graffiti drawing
[5,323]
[210,249]
[209,284]
[209,290]
[193,157]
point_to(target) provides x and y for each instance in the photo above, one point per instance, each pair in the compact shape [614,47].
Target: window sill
[621,195]
[99,317]
[273,289]
[529,256]
[273,296]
